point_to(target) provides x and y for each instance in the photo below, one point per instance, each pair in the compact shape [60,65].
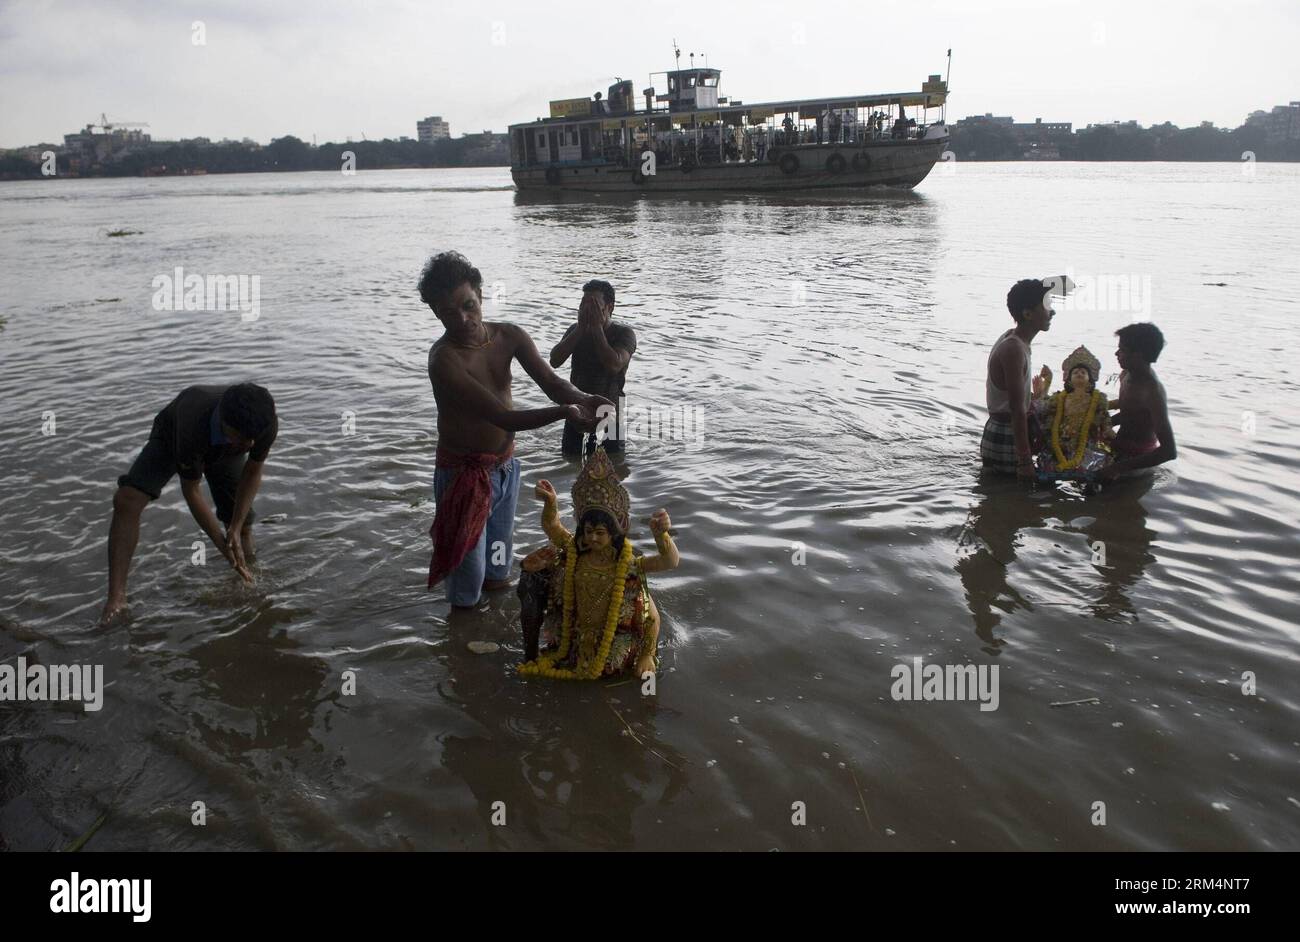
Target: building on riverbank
[1280,126]
[1027,140]
[432,129]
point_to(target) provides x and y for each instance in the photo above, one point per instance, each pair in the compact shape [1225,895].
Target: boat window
[672,83]
[541,138]
[690,81]
[709,81]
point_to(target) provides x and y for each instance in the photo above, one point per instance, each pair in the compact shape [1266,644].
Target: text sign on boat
[570,107]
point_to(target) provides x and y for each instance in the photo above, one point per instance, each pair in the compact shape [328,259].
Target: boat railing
[732,144]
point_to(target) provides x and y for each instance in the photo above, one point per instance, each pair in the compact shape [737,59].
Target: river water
[825,355]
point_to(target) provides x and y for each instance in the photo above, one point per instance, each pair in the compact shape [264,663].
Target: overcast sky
[339,70]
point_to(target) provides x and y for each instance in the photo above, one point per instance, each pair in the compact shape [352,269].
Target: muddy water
[829,354]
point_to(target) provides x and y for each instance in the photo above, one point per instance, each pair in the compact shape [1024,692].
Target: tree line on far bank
[283,153]
[969,142]
[1126,142]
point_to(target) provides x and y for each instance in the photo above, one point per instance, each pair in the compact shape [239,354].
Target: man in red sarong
[476,482]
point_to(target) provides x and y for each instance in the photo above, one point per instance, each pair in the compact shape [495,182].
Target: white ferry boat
[690,139]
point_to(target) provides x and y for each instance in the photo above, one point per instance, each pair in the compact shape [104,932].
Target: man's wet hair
[1025,294]
[248,409]
[1144,339]
[604,287]
[446,272]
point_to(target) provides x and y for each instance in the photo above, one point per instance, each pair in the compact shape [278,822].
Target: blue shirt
[218,437]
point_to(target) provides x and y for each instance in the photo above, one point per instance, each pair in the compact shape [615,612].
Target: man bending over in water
[1005,446]
[476,482]
[1145,437]
[203,432]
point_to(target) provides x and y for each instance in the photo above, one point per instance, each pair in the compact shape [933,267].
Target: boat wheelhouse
[690,139]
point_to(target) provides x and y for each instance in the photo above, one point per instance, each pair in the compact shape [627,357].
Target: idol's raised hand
[545,492]
[659,522]
[1041,383]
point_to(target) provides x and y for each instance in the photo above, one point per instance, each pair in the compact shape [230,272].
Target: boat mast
[943,112]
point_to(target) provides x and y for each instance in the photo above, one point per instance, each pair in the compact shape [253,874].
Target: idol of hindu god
[1075,421]
[585,596]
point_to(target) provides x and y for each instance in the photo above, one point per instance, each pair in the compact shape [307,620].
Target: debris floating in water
[124,232]
[484,647]
[1075,702]
[81,841]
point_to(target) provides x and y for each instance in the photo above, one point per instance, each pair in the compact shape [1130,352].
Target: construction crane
[107,126]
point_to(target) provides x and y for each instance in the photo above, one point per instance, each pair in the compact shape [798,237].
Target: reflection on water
[833,524]
[571,766]
[1115,531]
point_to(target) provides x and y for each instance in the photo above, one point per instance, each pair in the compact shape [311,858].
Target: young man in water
[1145,437]
[476,482]
[205,432]
[1005,446]
[601,349]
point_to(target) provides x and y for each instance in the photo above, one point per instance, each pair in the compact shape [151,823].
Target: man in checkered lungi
[1005,446]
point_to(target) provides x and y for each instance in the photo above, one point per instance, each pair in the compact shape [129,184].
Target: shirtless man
[1145,438]
[476,484]
[1005,446]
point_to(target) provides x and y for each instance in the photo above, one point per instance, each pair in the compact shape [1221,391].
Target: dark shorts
[156,464]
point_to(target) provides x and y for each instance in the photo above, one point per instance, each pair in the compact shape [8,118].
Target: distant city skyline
[244,68]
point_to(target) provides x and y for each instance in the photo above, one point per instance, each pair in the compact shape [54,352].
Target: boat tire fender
[789,164]
[861,161]
[835,163]
[553,176]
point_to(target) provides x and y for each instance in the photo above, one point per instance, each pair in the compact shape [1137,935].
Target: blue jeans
[493,554]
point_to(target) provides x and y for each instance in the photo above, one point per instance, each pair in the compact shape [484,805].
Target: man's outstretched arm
[453,384]
[209,524]
[547,380]
[250,479]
